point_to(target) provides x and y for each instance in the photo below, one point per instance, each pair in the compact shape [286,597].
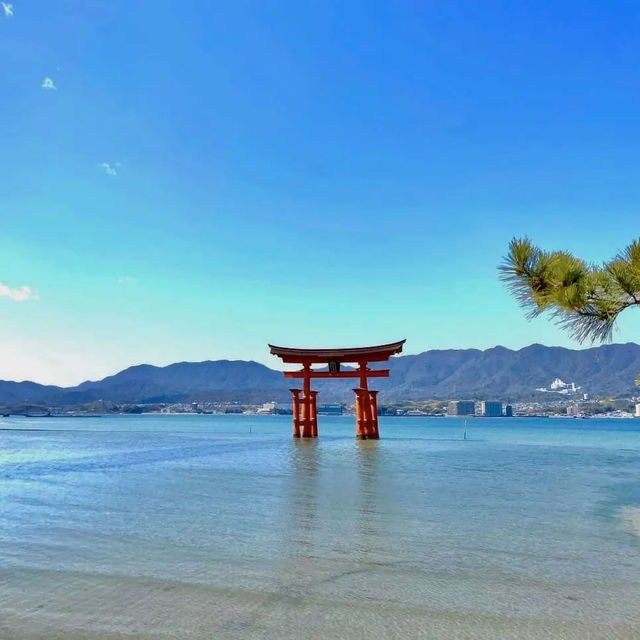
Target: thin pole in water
[464,436]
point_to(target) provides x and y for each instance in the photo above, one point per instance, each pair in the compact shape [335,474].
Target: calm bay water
[225,527]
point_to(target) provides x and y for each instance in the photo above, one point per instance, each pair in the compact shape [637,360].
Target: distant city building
[638,410]
[559,386]
[573,410]
[491,409]
[508,411]
[461,408]
[267,407]
[330,409]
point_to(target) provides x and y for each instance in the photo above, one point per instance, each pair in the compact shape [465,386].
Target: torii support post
[305,415]
[361,420]
[366,407]
[313,413]
[309,417]
[373,434]
[295,402]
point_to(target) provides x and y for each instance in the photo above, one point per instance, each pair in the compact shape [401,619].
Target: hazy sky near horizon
[191,180]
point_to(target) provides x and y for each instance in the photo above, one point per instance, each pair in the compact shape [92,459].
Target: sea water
[197,526]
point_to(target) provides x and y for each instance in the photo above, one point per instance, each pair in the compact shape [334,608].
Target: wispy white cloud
[19,294]
[7,7]
[111,168]
[125,279]
[48,83]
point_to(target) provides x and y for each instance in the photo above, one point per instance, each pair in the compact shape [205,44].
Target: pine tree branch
[585,300]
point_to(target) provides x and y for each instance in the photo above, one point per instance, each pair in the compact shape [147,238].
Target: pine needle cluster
[585,299]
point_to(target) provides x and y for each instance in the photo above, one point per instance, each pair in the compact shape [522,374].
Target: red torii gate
[305,416]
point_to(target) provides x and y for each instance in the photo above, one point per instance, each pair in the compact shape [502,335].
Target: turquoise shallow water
[224,526]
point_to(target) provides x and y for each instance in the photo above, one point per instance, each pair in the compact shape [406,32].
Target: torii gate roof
[378,353]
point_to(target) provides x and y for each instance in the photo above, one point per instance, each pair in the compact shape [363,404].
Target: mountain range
[496,373]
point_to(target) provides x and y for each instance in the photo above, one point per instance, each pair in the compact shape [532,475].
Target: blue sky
[207,177]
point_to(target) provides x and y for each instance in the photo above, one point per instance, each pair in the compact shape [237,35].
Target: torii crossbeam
[305,416]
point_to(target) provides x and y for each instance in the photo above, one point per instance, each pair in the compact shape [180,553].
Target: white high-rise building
[638,410]
[267,407]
